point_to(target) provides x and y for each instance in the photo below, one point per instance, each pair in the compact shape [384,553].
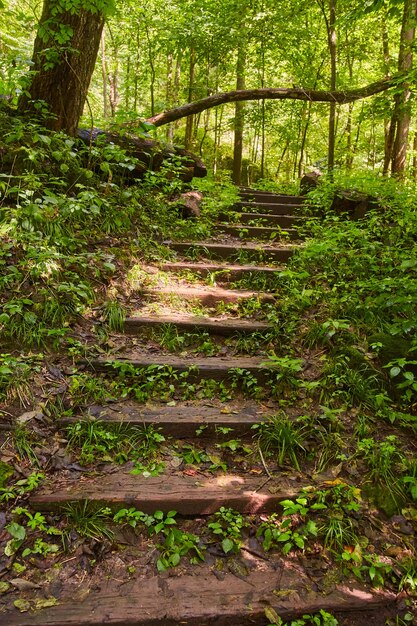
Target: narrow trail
[240,590]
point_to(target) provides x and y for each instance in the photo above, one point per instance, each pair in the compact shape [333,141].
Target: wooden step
[217,368]
[188,495]
[276,208]
[212,597]
[222,326]
[257,232]
[284,221]
[207,296]
[264,197]
[251,252]
[221,273]
[181,422]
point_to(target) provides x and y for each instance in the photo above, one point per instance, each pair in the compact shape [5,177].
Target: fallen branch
[293,93]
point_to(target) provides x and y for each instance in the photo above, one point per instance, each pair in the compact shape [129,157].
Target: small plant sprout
[228,525]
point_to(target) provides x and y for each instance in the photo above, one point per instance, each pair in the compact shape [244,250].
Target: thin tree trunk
[169,98]
[190,119]
[282,157]
[104,75]
[152,68]
[114,77]
[137,59]
[333,79]
[239,113]
[389,122]
[415,155]
[127,84]
[403,103]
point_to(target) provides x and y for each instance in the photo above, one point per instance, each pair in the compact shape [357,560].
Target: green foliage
[96,441]
[15,377]
[21,487]
[228,525]
[282,437]
[322,618]
[88,520]
[289,530]
[176,543]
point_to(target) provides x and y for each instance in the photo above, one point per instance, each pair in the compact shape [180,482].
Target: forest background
[152,58]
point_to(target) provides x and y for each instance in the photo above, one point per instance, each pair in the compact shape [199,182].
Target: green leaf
[17,531]
[22,605]
[227,545]
[160,565]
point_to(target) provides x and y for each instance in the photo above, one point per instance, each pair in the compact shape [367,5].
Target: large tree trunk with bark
[64,56]
[402,109]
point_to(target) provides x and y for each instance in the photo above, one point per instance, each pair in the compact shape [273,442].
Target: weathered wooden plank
[188,495]
[257,232]
[283,221]
[268,196]
[221,273]
[198,368]
[214,325]
[207,599]
[182,421]
[252,252]
[207,296]
[276,208]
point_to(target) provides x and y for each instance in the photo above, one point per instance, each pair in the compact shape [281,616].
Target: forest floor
[198,462]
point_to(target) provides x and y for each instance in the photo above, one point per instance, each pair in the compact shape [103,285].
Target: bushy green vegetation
[352,290]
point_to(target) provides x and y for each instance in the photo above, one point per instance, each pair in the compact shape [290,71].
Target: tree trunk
[61,72]
[389,123]
[403,103]
[239,114]
[104,76]
[190,119]
[113,76]
[415,156]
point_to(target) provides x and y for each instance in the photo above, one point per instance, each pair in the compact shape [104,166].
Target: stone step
[284,221]
[267,197]
[251,252]
[181,422]
[188,495]
[212,597]
[207,296]
[275,208]
[217,368]
[257,232]
[223,326]
[221,273]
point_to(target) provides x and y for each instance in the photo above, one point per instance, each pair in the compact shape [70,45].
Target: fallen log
[151,154]
[281,93]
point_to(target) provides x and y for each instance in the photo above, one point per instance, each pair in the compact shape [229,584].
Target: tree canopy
[163,64]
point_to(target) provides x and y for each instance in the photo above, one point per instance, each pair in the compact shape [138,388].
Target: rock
[29,415]
[189,203]
[309,181]
[23,585]
[355,203]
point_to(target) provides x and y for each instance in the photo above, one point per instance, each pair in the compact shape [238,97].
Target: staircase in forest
[239,588]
